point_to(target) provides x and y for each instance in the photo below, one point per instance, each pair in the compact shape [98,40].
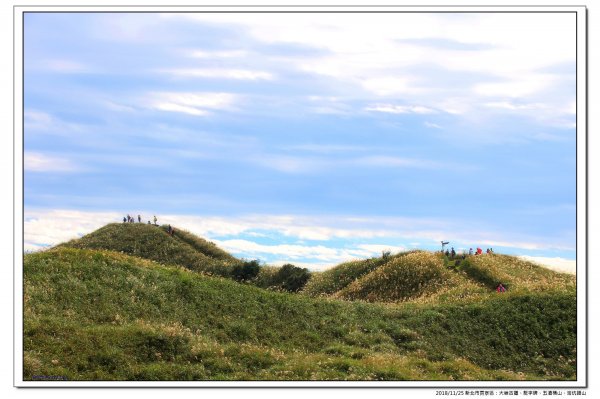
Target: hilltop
[431,277]
[131,302]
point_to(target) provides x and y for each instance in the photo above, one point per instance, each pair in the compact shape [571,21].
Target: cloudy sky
[306,138]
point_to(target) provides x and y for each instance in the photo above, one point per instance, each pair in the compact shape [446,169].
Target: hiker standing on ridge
[470,251]
[124,219]
[139,219]
[453,253]
[155,219]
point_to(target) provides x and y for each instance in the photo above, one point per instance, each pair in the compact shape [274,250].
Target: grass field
[148,307]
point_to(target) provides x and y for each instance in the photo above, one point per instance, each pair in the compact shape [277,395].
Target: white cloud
[51,227]
[221,73]
[35,120]
[319,253]
[400,109]
[198,103]
[390,85]
[557,264]
[523,86]
[62,66]
[428,59]
[179,108]
[432,125]
[204,54]
[38,162]
[512,106]
[390,161]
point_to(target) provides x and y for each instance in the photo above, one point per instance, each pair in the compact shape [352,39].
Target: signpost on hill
[444,243]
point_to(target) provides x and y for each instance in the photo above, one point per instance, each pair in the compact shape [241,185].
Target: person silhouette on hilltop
[139,219]
[155,219]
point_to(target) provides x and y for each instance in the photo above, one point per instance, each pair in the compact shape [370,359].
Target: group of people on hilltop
[131,219]
[452,253]
[479,251]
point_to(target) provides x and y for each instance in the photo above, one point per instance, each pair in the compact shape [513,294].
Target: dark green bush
[292,278]
[246,271]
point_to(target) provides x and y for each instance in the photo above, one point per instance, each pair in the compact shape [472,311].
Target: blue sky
[305,138]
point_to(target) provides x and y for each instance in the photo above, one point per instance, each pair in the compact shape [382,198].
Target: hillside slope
[153,243]
[514,273]
[337,278]
[96,315]
[430,277]
[417,275]
[201,245]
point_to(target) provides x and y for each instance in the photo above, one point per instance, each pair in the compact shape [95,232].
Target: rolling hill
[130,302]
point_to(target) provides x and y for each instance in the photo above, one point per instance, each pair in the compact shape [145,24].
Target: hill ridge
[149,321]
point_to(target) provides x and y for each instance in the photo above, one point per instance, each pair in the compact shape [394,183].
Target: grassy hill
[339,277]
[430,277]
[153,243]
[130,312]
[417,275]
[203,246]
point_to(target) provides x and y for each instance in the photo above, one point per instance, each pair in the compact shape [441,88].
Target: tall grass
[153,243]
[98,314]
[340,276]
[201,245]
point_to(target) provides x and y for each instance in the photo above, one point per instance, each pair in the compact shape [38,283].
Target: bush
[285,278]
[292,278]
[246,271]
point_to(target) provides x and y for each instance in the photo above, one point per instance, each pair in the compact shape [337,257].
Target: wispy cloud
[206,54]
[38,162]
[198,104]
[400,162]
[221,73]
[432,125]
[400,109]
[514,106]
[50,227]
[41,121]
[317,253]
[447,44]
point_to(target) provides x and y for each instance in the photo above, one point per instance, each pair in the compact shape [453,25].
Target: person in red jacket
[479,251]
[500,288]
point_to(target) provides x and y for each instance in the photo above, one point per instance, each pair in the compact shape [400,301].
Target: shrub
[292,278]
[246,271]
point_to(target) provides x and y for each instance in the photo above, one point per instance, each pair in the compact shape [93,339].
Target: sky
[309,138]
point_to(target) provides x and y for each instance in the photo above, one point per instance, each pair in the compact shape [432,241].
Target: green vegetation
[153,243]
[246,271]
[133,313]
[339,277]
[201,245]
[285,278]
[412,276]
